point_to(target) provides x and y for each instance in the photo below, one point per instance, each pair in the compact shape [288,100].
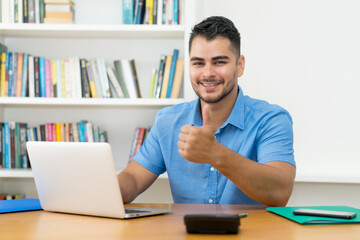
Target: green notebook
[310,220]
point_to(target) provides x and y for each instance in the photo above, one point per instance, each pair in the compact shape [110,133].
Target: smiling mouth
[209,84]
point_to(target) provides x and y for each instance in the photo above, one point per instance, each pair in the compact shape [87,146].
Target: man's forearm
[270,184]
[127,186]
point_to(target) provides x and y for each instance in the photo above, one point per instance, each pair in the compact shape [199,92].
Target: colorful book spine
[31,77]
[6,145]
[37,77]
[11,73]
[165,81]
[19,74]
[81,128]
[7,70]
[90,77]
[53,78]
[172,72]
[3,72]
[42,76]
[59,79]
[128,11]
[47,78]
[24,75]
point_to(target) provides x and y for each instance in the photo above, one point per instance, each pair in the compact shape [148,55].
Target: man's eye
[220,62]
[198,63]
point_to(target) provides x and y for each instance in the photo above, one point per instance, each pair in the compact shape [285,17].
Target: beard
[214,99]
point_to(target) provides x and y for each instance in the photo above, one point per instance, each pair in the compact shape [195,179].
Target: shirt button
[210,200]
[212,169]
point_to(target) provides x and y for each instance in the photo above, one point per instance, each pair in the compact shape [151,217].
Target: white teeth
[209,85]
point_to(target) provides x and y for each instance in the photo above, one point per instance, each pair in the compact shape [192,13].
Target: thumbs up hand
[198,144]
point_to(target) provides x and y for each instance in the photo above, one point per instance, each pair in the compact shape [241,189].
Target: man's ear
[241,65]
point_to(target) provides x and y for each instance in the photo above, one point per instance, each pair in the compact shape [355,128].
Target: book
[85,80]
[165,81]
[1,144]
[135,78]
[61,15]
[37,77]
[104,82]
[178,79]
[81,129]
[89,132]
[7,70]
[120,77]
[54,78]
[140,140]
[68,79]
[20,205]
[63,79]
[90,77]
[10,73]
[2,73]
[42,76]
[115,82]
[19,74]
[31,11]
[128,11]
[77,77]
[58,21]
[287,212]
[25,11]
[31,77]
[152,86]
[58,79]
[54,7]
[129,78]
[134,143]
[6,150]
[160,76]
[140,12]
[47,78]
[172,72]
[94,70]
[5,12]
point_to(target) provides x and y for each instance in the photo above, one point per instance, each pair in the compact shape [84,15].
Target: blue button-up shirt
[255,129]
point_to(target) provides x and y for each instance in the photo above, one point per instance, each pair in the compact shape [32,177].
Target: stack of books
[59,12]
[167,79]
[139,137]
[152,11]
[13,137]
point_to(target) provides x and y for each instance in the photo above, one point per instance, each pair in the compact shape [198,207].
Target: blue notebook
[19,205]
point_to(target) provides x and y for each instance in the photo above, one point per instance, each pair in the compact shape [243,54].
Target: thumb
[206,116]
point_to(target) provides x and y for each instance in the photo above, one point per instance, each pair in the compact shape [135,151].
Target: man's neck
[220,111]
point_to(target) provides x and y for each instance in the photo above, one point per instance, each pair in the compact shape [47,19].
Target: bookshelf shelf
[15,173]
[116,102]
[91,31]
[27,173]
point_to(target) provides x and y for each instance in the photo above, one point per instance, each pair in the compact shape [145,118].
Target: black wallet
[212,223]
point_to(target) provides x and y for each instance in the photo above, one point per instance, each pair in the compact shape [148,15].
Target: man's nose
[208,71]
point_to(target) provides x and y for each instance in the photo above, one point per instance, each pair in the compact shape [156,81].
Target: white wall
[304,56]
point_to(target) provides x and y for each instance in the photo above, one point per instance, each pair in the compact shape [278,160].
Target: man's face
[214,69]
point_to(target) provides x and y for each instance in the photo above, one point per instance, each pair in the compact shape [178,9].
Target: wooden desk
[259,224]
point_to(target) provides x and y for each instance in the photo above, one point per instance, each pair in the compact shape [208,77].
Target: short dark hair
[215,26]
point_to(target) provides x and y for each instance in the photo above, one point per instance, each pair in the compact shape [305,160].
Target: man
[224,147]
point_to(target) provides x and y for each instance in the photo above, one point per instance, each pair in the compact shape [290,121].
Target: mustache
[211,80]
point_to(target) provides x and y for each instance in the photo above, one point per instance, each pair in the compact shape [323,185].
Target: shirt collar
[236,117]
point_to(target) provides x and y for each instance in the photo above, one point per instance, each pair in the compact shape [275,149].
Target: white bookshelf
[108,39]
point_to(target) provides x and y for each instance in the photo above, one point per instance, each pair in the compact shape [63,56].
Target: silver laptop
[79,178]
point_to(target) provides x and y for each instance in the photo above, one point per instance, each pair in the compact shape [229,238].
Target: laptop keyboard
[135,211]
